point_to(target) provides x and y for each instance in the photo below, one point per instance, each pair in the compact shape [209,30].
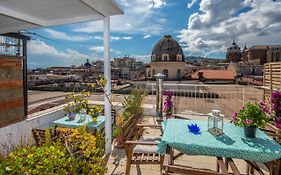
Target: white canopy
[17,15]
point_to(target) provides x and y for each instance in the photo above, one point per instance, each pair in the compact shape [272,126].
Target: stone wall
[11,90]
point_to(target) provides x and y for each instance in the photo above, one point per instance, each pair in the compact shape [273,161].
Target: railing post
[159,95]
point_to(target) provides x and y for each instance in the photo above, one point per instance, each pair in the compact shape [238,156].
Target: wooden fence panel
[11,90]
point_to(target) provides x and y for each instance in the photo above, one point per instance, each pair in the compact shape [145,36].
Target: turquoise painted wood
[65,122]
[232,144]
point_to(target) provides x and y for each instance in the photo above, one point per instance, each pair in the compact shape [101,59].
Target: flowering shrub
[276,107]
[168,103]
[78,152]
[251,115]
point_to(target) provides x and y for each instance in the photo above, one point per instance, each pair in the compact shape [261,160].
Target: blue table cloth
[91,126]
[232,144]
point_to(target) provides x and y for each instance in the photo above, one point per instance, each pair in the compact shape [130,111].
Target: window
[165,57]
[166,73]
[153,57]
[179,57]
[153,72]
[179,74]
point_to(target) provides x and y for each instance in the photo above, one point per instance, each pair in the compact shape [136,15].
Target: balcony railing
[202,98]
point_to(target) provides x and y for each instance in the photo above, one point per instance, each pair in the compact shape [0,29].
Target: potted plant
[168,104]
[75,103]
[95,111]
[251,116]
[276,107]
[117,132]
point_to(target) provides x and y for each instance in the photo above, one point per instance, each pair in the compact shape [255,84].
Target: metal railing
[202,98]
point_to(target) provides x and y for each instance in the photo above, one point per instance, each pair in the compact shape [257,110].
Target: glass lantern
[215,123]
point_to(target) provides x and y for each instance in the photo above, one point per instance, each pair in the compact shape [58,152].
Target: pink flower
[235,115]
[248,121]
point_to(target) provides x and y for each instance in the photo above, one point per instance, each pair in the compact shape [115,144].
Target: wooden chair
[169,167]
[223,166]
[40,135]
[140,149]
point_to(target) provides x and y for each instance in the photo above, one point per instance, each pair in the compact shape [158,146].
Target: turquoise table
[92,126]
[233,144]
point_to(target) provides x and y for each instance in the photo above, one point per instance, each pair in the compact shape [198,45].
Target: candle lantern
[215,123]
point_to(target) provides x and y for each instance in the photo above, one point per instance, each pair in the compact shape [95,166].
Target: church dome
[234,47]
[167,49]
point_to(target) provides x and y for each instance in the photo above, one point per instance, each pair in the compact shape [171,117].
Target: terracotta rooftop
[214,75]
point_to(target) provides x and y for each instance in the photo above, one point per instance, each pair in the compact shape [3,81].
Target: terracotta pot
[250,131]
[120,141]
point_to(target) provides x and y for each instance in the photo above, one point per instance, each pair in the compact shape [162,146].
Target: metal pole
[159,95]
[25,95]
[107,74]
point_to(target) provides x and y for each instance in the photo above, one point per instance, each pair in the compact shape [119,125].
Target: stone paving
[117,161]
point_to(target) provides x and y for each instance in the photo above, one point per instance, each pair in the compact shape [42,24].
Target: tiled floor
[117,161]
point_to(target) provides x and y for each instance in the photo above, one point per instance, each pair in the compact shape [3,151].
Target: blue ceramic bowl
[71,116]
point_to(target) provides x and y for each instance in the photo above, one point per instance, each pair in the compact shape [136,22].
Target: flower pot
[71,116]
[120,141]
[250,131]
[168,116]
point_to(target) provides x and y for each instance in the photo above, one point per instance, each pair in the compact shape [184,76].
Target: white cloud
[114,38]
[212,29]
[40,48]
[140,16]
[127,38]
[63,36]
[190,4]
[146,36]
[100,49]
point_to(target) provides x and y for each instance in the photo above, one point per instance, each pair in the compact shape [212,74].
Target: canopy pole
[107,75]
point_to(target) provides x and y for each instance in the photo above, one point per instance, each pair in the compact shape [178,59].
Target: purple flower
[278,120]
[276,94]
[262,103]
[248,121]
[235,115]
[242,108]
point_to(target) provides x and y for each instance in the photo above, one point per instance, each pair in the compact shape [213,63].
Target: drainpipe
[159,95]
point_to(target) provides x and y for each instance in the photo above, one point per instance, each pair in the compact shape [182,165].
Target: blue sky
[202,27]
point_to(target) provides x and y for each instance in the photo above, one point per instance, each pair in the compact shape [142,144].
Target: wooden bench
[140,149]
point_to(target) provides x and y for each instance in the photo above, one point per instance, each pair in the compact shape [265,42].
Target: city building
[214,76]
[167,58]
[233,53]
[261,54]
[129,68]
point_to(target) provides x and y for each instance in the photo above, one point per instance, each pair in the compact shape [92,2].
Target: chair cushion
[149,149]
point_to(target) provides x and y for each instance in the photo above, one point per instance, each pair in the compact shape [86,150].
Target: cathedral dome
[167,49]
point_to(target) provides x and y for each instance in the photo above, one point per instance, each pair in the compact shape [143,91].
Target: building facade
[167,58]
[233,53]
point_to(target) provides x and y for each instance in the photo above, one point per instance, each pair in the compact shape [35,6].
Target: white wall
[20,133]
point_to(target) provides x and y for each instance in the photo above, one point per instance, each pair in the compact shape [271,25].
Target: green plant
[251,115]
[116,131]
[76,102]
[75,152]
[95,110]
[133,103]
